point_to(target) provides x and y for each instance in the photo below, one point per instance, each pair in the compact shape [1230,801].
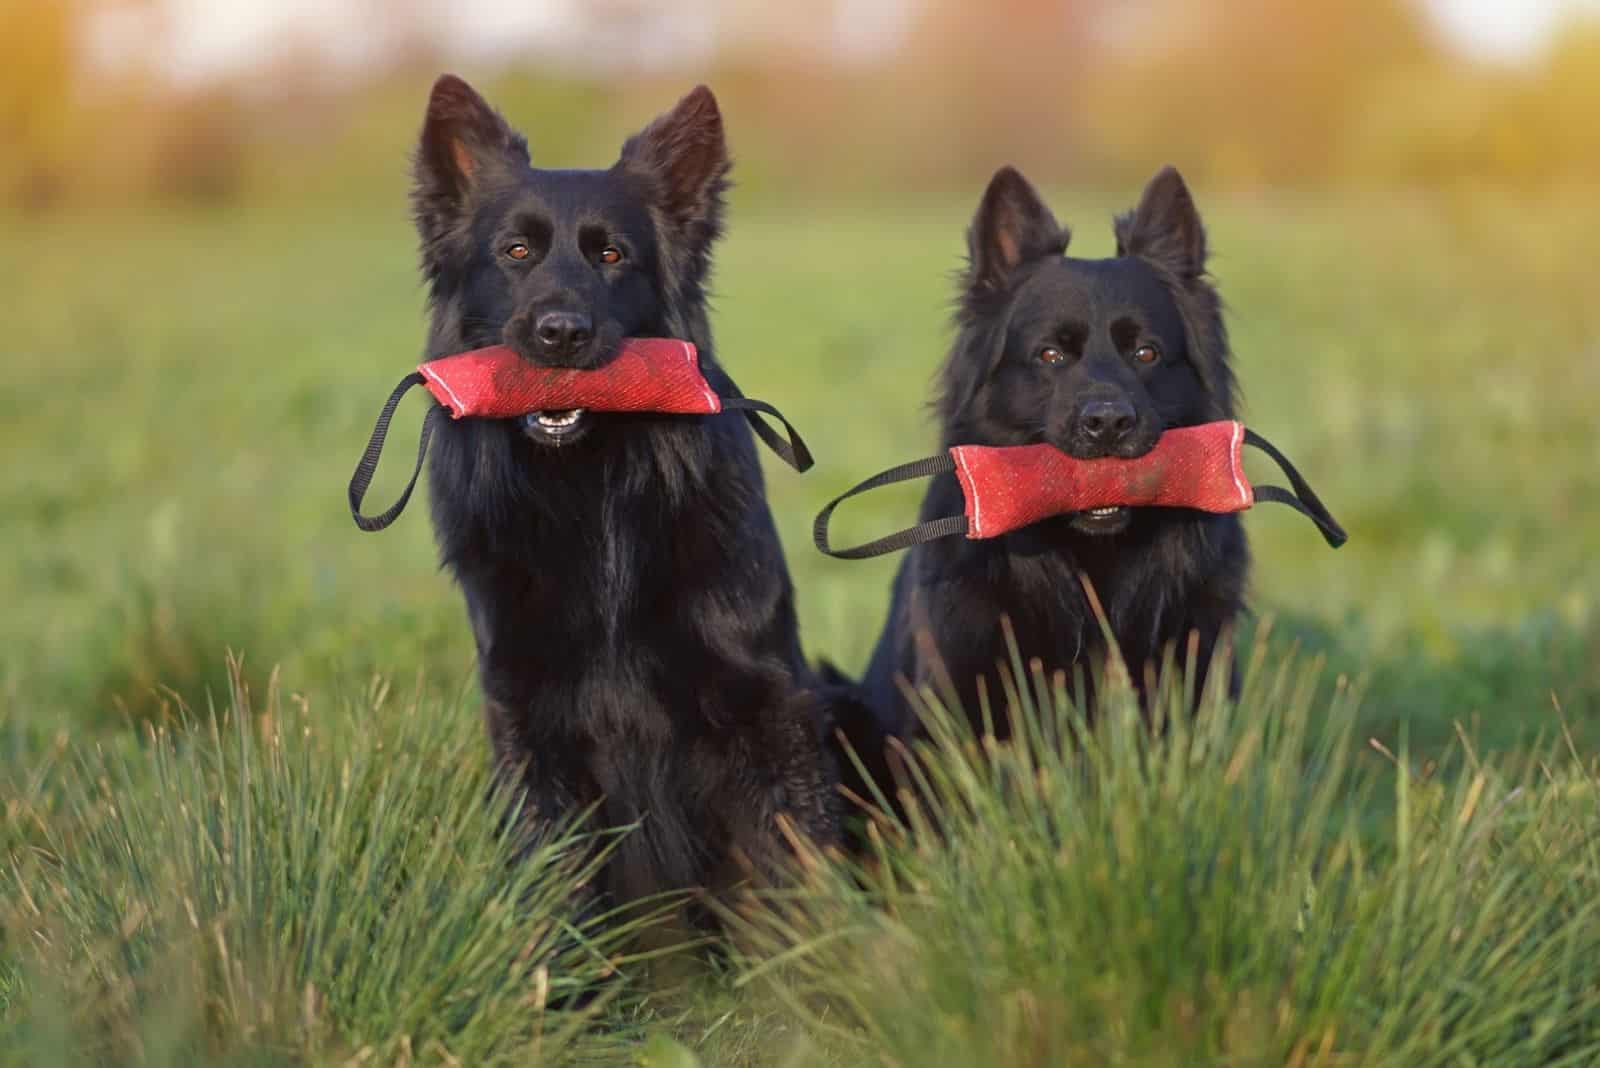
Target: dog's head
[1095,357]
[561,265]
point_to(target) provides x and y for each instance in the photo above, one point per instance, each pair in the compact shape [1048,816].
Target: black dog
[633,613]
[1095,357]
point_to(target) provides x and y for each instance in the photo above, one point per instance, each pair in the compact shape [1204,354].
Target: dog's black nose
[563,334]
[1106,423]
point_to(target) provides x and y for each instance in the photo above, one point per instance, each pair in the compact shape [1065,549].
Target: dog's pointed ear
[1165,228]
[1012,226]
[464,141]
[684,154]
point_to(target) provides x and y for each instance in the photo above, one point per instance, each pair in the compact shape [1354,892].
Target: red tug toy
[645,375]
[649,374]
[1006,488]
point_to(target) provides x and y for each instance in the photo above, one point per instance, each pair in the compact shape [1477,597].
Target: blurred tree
[1450,121]
[1001,81]
[199,153]
[1253,90]
[1566,105]
[821,94]
[857,93]
[36,77]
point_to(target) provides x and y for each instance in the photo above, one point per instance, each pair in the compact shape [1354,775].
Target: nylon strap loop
[1303,499]
[368,466]
[792,452]
[901,539]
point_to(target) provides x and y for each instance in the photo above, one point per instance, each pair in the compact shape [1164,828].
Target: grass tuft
[1208,894]
[284,885]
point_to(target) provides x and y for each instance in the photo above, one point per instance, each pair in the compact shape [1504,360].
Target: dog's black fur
[634,618]
[1052,349]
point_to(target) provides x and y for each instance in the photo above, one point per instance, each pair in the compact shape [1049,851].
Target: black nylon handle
[900,539]
[1302,499]
[361,481]
[792,452]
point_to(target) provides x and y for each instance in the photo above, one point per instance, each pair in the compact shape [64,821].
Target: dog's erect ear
[1165,228]
[685,156]
[1012,227]
[464,140]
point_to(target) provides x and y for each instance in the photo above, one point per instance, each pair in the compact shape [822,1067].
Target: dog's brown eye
[611,254]
[1051,354]
[1147,354]
[517,251]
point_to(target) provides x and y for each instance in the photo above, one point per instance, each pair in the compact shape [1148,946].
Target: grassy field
[293,882]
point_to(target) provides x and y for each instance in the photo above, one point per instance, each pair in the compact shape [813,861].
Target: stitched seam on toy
[688,350]
[977,518]
[460,408]
[1236,460]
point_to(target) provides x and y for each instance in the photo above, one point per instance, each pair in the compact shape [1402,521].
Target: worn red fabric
[646,375]
[1190,467]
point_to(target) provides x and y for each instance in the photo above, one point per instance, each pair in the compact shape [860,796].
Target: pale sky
[202,39]
[1505,29]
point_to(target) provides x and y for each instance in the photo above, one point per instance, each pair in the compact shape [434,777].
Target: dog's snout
[1106,423]
[563,335]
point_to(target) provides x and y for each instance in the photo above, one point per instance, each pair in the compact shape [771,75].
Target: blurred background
[207,287]
[185,101]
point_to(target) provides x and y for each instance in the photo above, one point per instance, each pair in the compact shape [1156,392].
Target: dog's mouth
[1100,521]
[556,426]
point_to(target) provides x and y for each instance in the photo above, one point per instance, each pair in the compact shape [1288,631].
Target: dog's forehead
[582,194]
[1096,289]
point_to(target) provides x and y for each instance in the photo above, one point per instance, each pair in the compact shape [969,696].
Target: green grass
[1211,897]
[278,884]
[186,396]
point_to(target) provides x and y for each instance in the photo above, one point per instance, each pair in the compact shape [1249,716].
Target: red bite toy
[1190,467]
[659,375]
[1007,488]
[649,374]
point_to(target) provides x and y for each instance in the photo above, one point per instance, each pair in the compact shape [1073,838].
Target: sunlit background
[196,100]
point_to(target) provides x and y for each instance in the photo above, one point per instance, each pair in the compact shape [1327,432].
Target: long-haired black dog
[634,618]
[1095,357]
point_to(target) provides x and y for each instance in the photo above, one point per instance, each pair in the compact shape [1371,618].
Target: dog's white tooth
[551,421]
